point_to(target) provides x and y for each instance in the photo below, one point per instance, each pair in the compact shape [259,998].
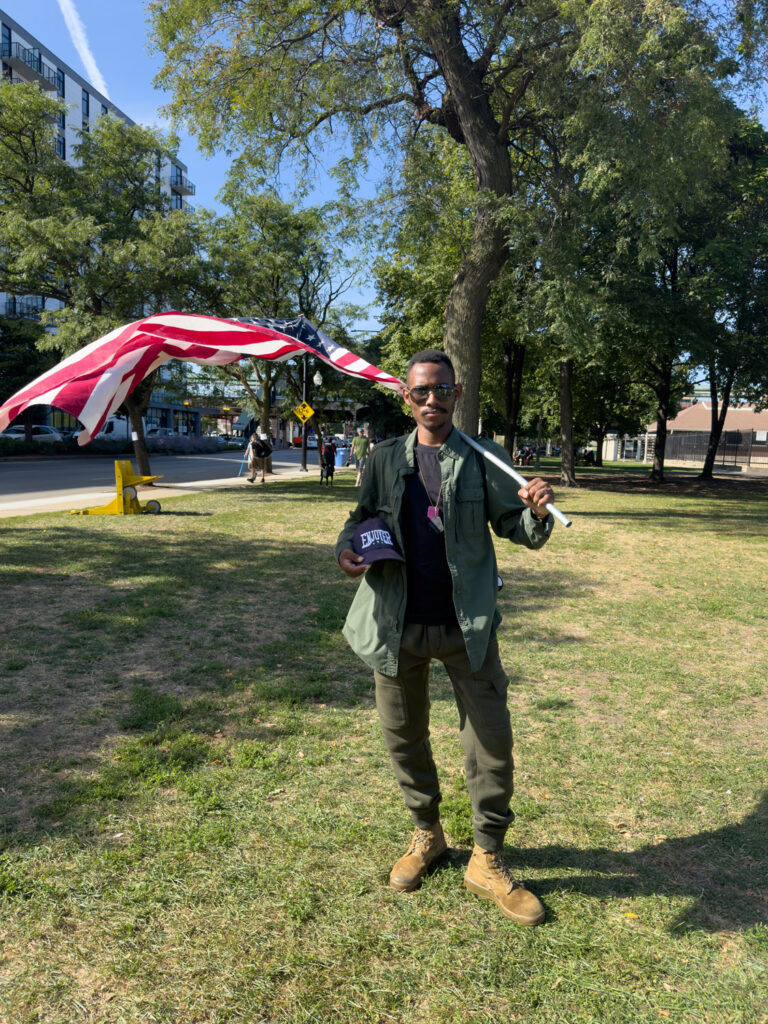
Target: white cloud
[80,41]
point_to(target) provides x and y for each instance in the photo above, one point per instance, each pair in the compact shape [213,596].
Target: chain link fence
[748,448]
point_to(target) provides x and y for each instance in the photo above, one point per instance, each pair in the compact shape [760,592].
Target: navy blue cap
[374,542]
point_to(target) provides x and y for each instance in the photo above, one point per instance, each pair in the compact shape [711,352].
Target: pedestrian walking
[257,453]
[360,446]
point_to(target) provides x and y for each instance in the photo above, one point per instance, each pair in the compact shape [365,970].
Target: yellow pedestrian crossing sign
[303,412]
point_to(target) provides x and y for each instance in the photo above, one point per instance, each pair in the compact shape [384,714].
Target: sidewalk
[65,501]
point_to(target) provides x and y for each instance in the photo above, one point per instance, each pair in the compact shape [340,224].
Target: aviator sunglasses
[442,392]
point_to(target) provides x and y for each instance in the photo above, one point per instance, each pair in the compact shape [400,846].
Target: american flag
[92,383]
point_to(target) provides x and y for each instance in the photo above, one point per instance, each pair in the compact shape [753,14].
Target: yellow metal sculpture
[125,502]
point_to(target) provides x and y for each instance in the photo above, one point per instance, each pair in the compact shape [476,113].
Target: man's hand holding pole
[537,495]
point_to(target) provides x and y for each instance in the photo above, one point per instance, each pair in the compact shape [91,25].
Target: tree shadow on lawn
[732,518]
[94,612]
[723,872]
[676,484]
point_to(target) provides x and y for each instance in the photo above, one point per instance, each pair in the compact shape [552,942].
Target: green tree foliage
[432,229]
[599,230]
[732,286]
[269,258]
[20,359]
[276,79]
[295,78]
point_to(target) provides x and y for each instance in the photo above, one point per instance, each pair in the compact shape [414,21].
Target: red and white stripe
[93,382]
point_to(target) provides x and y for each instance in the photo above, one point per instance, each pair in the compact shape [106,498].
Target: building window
[62,120]
[6,41]
[177,203]
[86,105]
[104,109]
[60,146]
[60,82]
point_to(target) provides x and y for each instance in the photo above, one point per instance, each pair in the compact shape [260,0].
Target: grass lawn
[198,815]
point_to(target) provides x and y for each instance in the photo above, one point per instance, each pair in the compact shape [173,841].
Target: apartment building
[27,59]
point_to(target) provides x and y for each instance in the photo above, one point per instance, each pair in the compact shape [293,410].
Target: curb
[63,502]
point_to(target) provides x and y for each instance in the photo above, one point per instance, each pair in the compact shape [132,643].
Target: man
[436,495]
[360,445]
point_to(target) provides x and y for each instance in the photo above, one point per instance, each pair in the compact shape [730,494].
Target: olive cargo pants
[484,728]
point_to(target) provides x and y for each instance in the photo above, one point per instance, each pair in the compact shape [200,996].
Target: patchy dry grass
[199,816]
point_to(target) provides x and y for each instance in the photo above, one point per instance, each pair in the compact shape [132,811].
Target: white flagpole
[513,473]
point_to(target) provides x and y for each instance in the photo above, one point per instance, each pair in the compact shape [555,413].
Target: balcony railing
[180,183]
[25,60]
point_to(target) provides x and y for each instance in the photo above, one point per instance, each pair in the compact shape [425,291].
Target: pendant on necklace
[433,512]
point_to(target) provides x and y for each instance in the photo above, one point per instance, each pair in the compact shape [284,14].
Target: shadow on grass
[752,518]
[190,613]
[681,483]
[723,872]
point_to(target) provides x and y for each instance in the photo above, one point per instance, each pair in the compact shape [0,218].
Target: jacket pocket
[470,510]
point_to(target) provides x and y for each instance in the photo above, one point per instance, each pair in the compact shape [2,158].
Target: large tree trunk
[600,433]
[137,433]
[470,119]
[465,308]
[136,405]
[663,371]
[567,454]
[663,394]
[514,358]
[717,421]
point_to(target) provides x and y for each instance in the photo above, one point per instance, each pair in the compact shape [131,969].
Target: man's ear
[459,391]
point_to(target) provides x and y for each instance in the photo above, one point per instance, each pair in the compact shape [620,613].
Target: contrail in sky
[80,40]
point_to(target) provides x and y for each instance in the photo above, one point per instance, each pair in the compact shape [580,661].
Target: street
[32,484]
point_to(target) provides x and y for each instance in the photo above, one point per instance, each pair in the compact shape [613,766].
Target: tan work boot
[428,846]
[489,877]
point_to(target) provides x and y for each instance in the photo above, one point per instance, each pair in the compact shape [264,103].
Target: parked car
[39,433]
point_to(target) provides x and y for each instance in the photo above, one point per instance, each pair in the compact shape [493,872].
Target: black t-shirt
[430,585]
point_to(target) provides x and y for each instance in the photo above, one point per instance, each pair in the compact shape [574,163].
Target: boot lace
[421,841]
[496,863]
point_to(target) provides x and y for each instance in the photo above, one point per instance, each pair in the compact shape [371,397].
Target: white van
[117,428]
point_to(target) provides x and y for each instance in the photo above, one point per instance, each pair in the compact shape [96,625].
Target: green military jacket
[475,492]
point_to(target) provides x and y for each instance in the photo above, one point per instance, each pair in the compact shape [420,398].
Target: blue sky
[110,44]
[116,34]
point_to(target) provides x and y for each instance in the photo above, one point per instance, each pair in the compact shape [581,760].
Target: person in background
[360,446]
[257,453]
